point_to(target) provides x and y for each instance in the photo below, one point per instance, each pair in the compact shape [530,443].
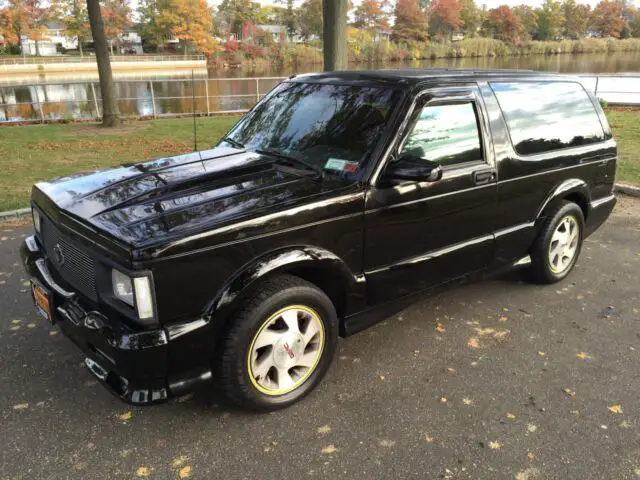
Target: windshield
[332,127]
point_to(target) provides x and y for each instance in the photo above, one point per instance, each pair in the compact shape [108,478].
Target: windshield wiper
[232,142]
[291,160]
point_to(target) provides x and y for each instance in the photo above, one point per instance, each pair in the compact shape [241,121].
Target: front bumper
[131,364]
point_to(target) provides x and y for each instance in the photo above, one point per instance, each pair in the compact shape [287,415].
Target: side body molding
[303,258]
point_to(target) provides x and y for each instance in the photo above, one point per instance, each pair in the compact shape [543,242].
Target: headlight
[122,286]
[36,219]
[135,292]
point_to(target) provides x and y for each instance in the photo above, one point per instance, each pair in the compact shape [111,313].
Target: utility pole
[334,25]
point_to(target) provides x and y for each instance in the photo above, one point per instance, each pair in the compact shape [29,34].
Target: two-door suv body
[334,200]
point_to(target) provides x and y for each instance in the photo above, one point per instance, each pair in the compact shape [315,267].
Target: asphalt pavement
[499,379]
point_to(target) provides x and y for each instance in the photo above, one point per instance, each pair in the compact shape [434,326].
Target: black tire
[270,297]
[542,270]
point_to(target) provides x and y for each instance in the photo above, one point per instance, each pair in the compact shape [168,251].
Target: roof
[410,76]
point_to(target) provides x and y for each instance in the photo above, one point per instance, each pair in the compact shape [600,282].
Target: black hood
[169,197]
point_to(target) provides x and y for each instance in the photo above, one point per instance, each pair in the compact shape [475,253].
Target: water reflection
[167,96]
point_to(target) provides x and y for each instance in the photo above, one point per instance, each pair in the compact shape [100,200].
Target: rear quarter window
[546,116]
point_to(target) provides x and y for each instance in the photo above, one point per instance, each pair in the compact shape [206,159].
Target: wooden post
[334,26]
[153,99]
[95,101]
[206,92]
[35,91]
[257,90]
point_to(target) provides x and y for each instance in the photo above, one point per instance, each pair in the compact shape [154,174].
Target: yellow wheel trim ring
[301,380]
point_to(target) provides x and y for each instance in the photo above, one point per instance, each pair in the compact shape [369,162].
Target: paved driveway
[501,379]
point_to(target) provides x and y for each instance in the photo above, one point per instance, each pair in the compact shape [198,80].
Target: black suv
[334,200]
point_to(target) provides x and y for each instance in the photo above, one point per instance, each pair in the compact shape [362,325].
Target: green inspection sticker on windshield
[341,165]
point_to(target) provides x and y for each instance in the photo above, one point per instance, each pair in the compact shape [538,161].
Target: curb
[631,190]
[624,188]
[15,214]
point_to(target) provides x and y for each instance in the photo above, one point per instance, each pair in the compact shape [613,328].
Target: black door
[419,234]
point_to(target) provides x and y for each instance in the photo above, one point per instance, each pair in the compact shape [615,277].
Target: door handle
[482,177]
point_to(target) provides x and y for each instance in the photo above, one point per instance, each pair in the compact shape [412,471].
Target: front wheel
[558,245]
[279,346]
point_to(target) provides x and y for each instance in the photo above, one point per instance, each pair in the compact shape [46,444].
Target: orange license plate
[42,300]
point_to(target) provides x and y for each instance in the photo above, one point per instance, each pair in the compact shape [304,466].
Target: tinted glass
[545,116]
[446,134]
[317,122]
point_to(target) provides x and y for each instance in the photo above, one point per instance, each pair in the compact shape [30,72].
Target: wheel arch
[575,190]
[316,265]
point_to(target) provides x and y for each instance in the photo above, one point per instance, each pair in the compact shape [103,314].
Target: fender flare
[230,294]
[567,187]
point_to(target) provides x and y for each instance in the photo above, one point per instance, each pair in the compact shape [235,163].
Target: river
[76,98]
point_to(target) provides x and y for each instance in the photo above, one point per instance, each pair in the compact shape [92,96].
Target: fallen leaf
[427,438]
[15,328]
[178,461]
[15,322]
[467,401]
[531,455]
[503,319]
[495,445]
[31,325]
[473,343]
[184,472]
[324,429]
[443,400]
[505,309]
[483,332]
[440,328]
[615,409]
[356,360]
[53,333]
[387,443]
[575,412]
[568,392]
[531,427]
[143,472]
[21,406]
[329,449]
[381,377]
[542,354]
[510,416]
[500,334]
[451,369]
[582,355]
[128,415]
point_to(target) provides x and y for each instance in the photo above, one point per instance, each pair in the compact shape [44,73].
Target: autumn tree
[470,17]
[550,20]
[504,25]
[116,15]
[606,19]
[410,22]
[110,110]
[236,13]
[576,19]
[191,22]
[27,18]
[634,24]
[76,21]
[151,31]
[528,19]
[444,18]
[372,15]
[290,19]
[309,19]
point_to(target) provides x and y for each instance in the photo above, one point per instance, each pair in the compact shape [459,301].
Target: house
[130,42]
[279,33]
[57,36]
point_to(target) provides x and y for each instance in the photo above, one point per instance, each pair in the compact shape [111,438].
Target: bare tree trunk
[334,25]
[110,111]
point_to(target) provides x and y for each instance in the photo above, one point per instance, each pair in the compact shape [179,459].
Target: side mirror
[411,167]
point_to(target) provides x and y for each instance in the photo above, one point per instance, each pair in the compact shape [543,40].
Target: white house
[279,33]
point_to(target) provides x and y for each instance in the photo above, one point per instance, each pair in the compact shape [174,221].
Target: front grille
[70,263]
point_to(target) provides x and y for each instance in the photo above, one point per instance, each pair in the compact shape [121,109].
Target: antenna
[193,109]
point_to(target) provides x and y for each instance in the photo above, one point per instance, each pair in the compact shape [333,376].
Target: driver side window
[446,134]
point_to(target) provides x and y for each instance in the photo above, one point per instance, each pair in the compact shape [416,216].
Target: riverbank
[30,154]
[364,49]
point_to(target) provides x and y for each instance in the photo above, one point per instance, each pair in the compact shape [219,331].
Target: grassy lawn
[29,154]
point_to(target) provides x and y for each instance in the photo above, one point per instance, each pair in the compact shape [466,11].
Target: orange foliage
[606,18]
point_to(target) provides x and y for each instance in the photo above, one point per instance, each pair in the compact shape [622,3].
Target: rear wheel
[280,344]
[558,245]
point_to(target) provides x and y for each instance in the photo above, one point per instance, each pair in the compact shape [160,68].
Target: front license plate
[42,299]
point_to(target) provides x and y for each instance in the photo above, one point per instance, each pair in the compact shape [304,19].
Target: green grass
[626,130]
[39,152]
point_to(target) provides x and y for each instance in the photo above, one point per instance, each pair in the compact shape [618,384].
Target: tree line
[200,28]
